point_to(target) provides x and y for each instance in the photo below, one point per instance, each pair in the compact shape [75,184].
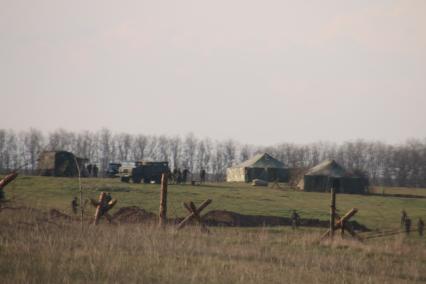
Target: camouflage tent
[261,166]
[60,164]
[323,176]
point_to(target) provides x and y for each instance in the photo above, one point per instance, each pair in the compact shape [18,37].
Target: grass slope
[376,212]
[36,251]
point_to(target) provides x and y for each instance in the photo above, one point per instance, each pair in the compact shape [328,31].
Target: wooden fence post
[163,201]
[99,207]
[332,211]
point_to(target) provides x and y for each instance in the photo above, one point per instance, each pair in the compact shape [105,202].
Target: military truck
[113,169]
[144,171]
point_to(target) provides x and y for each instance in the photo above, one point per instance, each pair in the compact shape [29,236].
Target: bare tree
[401,165]
[61,140]
[218,163]
[106,148]
[203,154]
[163,150]
[229,152]
[139,146]
[86,145]
[123,143]
[245,153]
[188,153]
[33,144]
[174,150]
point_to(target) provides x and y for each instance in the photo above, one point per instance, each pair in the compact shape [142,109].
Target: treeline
[384,164]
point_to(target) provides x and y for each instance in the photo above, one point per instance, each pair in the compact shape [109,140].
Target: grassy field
[376,212]
[398,190]
[35,249]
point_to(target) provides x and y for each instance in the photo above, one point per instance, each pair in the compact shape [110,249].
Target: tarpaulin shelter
[322,177]
[60,164]
[262,166]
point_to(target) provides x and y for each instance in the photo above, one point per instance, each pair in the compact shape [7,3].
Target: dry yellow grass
[35,250]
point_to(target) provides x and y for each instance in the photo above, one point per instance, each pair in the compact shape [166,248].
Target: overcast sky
[260,72]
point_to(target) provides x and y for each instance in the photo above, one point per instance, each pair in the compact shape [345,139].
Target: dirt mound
[232,219]
[132,215]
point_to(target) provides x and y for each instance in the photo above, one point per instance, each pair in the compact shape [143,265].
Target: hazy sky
[260,72]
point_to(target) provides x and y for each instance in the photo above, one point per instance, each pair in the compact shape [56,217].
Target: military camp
[262,166]
[328,173]
[186,142]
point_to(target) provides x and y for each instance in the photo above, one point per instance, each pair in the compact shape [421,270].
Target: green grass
[398,190]
[38,249]
[33,250]
[376,212]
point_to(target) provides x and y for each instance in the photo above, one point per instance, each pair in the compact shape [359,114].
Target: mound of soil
[233,219]
[132,215]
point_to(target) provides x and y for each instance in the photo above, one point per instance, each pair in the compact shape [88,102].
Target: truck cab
[113,169]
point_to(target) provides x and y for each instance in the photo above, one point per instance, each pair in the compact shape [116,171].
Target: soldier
[403,217]
[169,176]
[295,218]
[174,175]
[420,227]
[246,175]
[407,226]
[108,197]
[202,176]
[89,169]
[74,205]
[95,170]
[179,176]
[2,196]
[105,206]
[185,175]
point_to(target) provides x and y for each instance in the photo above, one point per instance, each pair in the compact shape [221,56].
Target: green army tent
[324,175]
[60,164]
[262,166]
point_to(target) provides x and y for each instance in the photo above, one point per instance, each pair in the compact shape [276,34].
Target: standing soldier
[202,176]
[105,206]
[403,217]
[295,218]
[407,225]
[95,170]
[179,176]
[185,175]
[2,196]
[169,176]
[174,175]
[74,205]
[89,169]
[420,227]
[108,197]
[246,175]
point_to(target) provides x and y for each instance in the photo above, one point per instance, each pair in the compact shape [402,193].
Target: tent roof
[329,168]
[52,154]
[263,160]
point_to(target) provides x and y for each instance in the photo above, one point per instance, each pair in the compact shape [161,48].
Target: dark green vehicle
[146,172]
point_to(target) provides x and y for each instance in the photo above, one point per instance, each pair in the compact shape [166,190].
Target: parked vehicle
[144,171]
[113,169]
